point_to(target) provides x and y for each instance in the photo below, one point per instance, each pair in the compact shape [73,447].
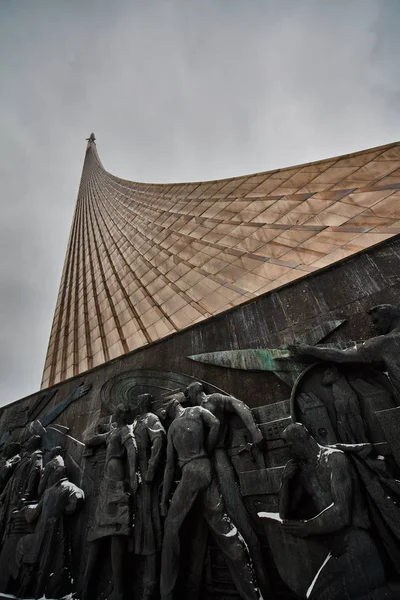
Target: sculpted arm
[98,434]
[168,475]
[77,393]
[289,495]
[75,498]
[35,473]
[130,446]
[245,415]
[364,353]
[337,515]
[157,435]
[32,512]
[43,482]
[95,439]
[212,423]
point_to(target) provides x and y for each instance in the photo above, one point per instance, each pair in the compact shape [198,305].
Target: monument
[219,416]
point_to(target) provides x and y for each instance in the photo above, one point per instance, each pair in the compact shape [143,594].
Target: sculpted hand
[296,528]
[36,428]
[363,449]
[81,391]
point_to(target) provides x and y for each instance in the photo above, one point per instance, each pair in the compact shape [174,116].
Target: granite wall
[341,291]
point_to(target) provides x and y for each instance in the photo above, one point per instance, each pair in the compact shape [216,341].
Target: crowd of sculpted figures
[334,534]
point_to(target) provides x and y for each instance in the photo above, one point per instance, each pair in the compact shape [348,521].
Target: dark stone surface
[342,291]
[213,489]
[389,420]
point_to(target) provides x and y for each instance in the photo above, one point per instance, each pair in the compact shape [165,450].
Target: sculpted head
[33,443]
[331,374]
[170,408]
[161,413]
[144,403]
[194,393]
[123,414]
[55,471]
[56,451]
[385,317]
[11,450]
[299,440]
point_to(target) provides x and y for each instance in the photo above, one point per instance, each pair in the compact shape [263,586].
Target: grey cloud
[174,90]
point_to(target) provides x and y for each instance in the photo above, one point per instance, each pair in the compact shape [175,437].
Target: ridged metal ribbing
[146,260]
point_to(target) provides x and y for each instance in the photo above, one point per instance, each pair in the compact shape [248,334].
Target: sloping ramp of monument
[147,260]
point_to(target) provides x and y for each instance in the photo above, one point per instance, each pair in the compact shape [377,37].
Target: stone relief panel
[38,505]
[179,490]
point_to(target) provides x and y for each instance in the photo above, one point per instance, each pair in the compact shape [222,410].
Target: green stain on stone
[268,359]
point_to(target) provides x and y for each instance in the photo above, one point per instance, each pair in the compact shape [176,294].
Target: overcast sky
[174,90]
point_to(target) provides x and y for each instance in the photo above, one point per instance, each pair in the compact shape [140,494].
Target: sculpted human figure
[352,567]
[192,435]
[113,512]
[350,425]
[381,351]
[149,437]
[24,482]
[22,487]
[27,475]
[55,463]
[223,407]
[41,556]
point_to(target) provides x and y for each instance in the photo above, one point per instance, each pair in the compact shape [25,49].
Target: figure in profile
[352,567]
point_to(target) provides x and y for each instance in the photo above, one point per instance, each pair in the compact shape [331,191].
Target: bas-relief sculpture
[42,556]
[268,359]
[128,505]
[111,521]
[352,566]
[113,512]
[381,350]
[223,406]
[192,437]
[36,499]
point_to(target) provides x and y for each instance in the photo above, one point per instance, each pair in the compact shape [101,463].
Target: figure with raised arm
[382,351]
[224,407]
[192,436]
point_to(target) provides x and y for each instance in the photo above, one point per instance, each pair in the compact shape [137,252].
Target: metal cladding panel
[146,260]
